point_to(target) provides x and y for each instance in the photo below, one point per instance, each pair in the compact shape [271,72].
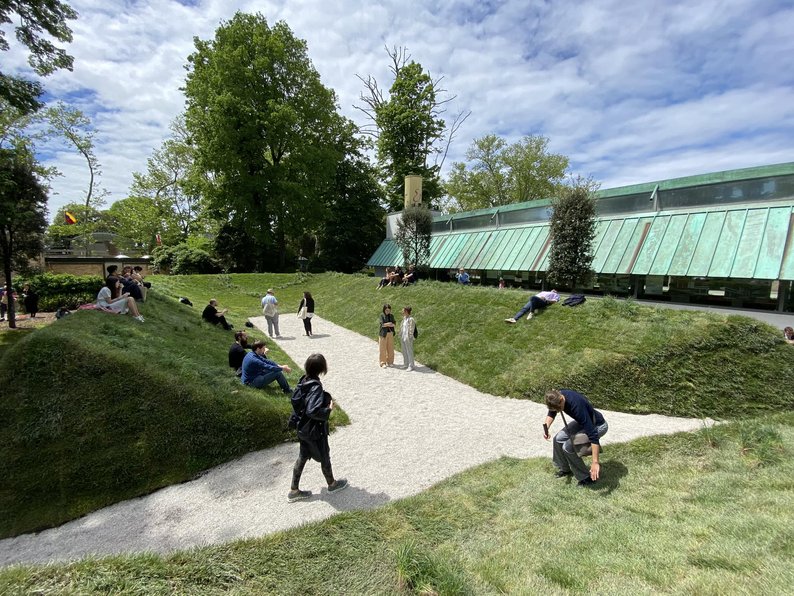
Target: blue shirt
[463,278]
[255,365]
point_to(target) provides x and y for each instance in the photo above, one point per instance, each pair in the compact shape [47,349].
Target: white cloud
[631,91]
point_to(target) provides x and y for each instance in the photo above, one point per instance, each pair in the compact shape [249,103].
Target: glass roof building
[722,238]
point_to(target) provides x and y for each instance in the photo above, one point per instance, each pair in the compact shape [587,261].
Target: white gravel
[408,431]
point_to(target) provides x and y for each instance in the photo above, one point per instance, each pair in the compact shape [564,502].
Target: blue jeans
[268,378]
[534,304]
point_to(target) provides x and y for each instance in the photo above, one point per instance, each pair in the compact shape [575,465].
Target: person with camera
[585,419]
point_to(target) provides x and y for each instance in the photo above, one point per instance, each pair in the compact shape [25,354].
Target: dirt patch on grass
[27,322]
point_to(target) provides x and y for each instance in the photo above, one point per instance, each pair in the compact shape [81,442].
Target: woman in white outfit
[122,304]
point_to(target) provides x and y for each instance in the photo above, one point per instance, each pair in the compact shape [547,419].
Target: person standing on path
[306,312]
[386,337]
[585,419]
[270,310]
[31,300]
[312,406]
[537,302]
[407,330]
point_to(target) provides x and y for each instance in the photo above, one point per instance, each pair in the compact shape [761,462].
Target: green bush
[62,289]
[183,259]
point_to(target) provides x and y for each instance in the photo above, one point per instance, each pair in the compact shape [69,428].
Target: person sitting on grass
[237,352]
[463,277]
[259,370]
[212,315]
[788,335]
[110,299]
[537,302]
[586,419]
[410,277]
[386,279]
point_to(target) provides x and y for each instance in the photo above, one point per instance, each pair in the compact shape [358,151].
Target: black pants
[307,325]
[313,450]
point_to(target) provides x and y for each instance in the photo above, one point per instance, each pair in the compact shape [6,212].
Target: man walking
[585,419]
[270,310]
[537,302]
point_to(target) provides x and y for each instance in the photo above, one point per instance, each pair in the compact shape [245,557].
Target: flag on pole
[70,219]
[159,240]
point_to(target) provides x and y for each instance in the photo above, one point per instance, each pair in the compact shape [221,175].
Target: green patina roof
[740,242]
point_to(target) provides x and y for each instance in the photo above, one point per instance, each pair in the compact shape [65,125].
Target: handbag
[580,441]
[302,313]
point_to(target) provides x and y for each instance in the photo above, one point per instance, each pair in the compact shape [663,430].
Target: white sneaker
[410,368]
[529,316]
[511,320]
[139,318]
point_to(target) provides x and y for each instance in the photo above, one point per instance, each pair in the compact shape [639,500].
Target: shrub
[183,259]
[62,289]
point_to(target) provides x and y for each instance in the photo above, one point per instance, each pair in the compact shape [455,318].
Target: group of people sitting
[395,276]
[121,293]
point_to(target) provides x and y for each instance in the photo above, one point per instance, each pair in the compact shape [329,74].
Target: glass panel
[742,191]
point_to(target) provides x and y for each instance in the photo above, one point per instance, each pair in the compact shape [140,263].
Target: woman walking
[386,337]
[312,406]
[306,312]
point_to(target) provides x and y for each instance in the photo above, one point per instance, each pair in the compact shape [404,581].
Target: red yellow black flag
[70,219]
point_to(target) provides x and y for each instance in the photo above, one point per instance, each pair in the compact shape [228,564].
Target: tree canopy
[498,173]
[263,127]
[414,232]
[36,18]
[410,131]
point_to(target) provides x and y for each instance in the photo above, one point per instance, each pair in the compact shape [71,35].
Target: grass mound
[696,513]
[99,408]
[623,355]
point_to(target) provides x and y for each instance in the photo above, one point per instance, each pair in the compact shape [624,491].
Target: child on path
[407,337]
[312,406]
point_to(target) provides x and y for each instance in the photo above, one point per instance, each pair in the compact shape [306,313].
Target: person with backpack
[270,310]
[311,408]
[407,335]
[585,419]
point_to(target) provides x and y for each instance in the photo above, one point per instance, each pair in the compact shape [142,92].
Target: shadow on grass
[611,473]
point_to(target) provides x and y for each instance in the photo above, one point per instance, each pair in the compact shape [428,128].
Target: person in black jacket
[237,351]
[308,302]
[312,406]
[585,419]
[211,314]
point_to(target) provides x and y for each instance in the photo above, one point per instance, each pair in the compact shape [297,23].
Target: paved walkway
[408,431]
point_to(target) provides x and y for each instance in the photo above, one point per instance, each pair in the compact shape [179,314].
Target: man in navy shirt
[259,370]
[585,419]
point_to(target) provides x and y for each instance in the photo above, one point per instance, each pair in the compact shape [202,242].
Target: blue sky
[630,91]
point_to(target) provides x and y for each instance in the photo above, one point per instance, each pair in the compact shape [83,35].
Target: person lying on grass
[586,419]
[537,302]
[259,370]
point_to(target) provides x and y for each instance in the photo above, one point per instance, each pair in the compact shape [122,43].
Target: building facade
[722,238]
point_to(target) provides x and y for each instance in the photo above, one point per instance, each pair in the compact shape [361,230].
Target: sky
[631,91]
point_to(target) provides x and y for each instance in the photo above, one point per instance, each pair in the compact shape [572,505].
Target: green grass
[99,408]
[623,355]
[699,513]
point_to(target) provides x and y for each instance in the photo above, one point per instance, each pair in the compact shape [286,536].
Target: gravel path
[408,431]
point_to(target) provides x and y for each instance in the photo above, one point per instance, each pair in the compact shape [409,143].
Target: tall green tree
[35,18]
[413,235]
[172,184]
[573,228]
[76,130]
[263,127]
[354,220]
[23,215]
[411,135]
[498,173]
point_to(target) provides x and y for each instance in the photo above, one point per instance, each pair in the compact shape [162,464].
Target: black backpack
[416,331]
[298,407]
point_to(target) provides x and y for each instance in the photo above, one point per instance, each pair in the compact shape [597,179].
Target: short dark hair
[258,344]
[407,309]
[385,306]
[316,366]
[137,268]
[112,269]
[239,335]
